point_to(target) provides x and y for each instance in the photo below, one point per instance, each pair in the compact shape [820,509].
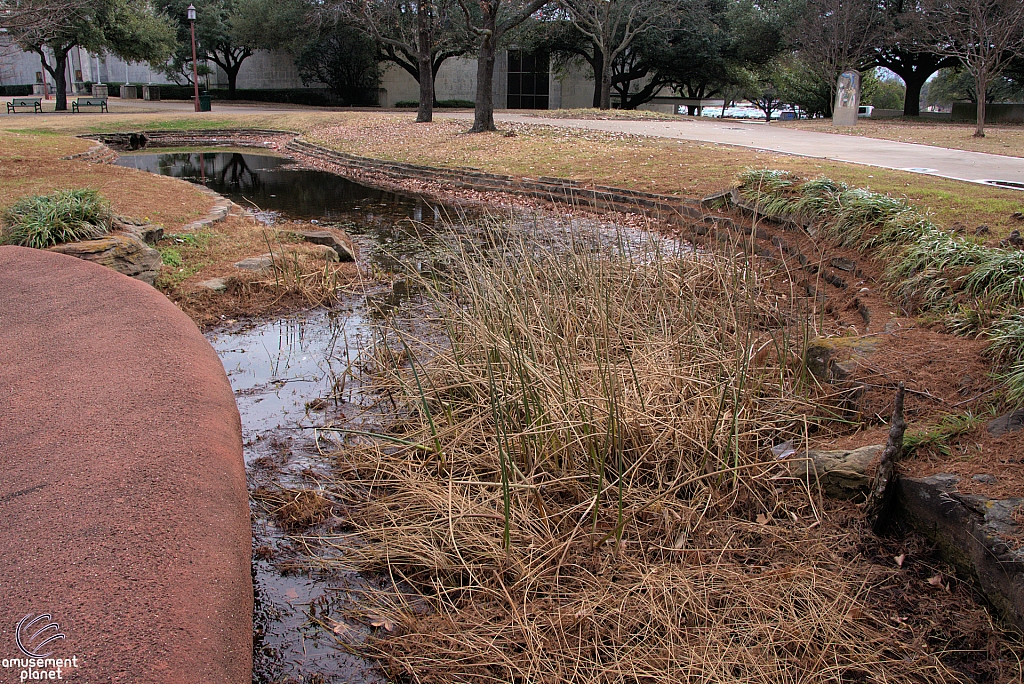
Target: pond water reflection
[277,184]
[391,224]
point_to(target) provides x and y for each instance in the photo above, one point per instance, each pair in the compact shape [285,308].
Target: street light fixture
[195,76]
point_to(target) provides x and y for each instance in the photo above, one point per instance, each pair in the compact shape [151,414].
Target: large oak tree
[416,35]
[490,21]
[131,29]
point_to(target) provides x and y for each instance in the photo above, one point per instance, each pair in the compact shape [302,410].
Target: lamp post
[195,76]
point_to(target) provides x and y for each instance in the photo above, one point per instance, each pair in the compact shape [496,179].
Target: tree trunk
[426,64]
[980,88]
[606,85]
[60,79]
[483,113]
[232,80]
[598,65]
[912,101]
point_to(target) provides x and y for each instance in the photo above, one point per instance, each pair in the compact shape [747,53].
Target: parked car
[865,111]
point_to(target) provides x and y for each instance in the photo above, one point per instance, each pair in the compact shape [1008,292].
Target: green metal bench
[36,103]
[100,102]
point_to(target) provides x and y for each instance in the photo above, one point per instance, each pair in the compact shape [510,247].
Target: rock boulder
[335,239]
[123,253]
[976,534]
[842,474]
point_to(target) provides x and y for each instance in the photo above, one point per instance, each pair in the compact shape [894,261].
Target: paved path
[939,161]
[122,488]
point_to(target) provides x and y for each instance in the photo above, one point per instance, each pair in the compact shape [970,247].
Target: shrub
[15,90]
[63,216]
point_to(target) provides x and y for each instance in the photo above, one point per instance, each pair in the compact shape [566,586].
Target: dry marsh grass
[576,483]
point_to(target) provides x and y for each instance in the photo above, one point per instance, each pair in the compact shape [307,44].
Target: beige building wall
[264,70]
[577,87]
[398,85]
[456,80]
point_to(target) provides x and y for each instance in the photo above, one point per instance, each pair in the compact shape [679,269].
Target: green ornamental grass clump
[978,289]
[42,221]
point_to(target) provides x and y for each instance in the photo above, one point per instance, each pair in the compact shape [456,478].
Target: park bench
[100,102]
[36,103]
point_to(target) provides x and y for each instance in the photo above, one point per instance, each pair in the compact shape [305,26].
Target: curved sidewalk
[122,486]
[937,161]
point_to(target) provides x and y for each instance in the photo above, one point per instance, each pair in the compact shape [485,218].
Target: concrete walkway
[939,161]
[122,487]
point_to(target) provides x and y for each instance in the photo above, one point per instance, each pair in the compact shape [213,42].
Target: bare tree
[416,35]
[613,25]
[836,35]
[37,21]
[985,35]
[490,20]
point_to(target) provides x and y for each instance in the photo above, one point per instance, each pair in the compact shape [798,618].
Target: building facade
[521,80]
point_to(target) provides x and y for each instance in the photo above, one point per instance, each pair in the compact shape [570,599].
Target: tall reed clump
[42,221]
[576,477]
[300,272]
[929,269]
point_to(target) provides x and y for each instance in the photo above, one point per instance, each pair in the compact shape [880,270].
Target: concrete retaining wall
[600,197]
[967,112]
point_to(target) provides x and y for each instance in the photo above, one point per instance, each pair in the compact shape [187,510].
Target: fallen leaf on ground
[388,625]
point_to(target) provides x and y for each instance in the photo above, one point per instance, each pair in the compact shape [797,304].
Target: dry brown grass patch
[687,168]
[31,165]
[680,167]
[294,509]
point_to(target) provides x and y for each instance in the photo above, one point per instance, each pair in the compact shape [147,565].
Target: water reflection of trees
[228,172]
[237,175]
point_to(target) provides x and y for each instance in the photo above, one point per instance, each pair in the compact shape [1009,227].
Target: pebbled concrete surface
[122,487]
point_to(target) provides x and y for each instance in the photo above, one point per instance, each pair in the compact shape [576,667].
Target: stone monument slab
[847,99]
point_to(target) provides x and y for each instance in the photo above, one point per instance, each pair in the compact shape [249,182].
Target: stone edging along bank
[973,534]
[561,190]
[666,208]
